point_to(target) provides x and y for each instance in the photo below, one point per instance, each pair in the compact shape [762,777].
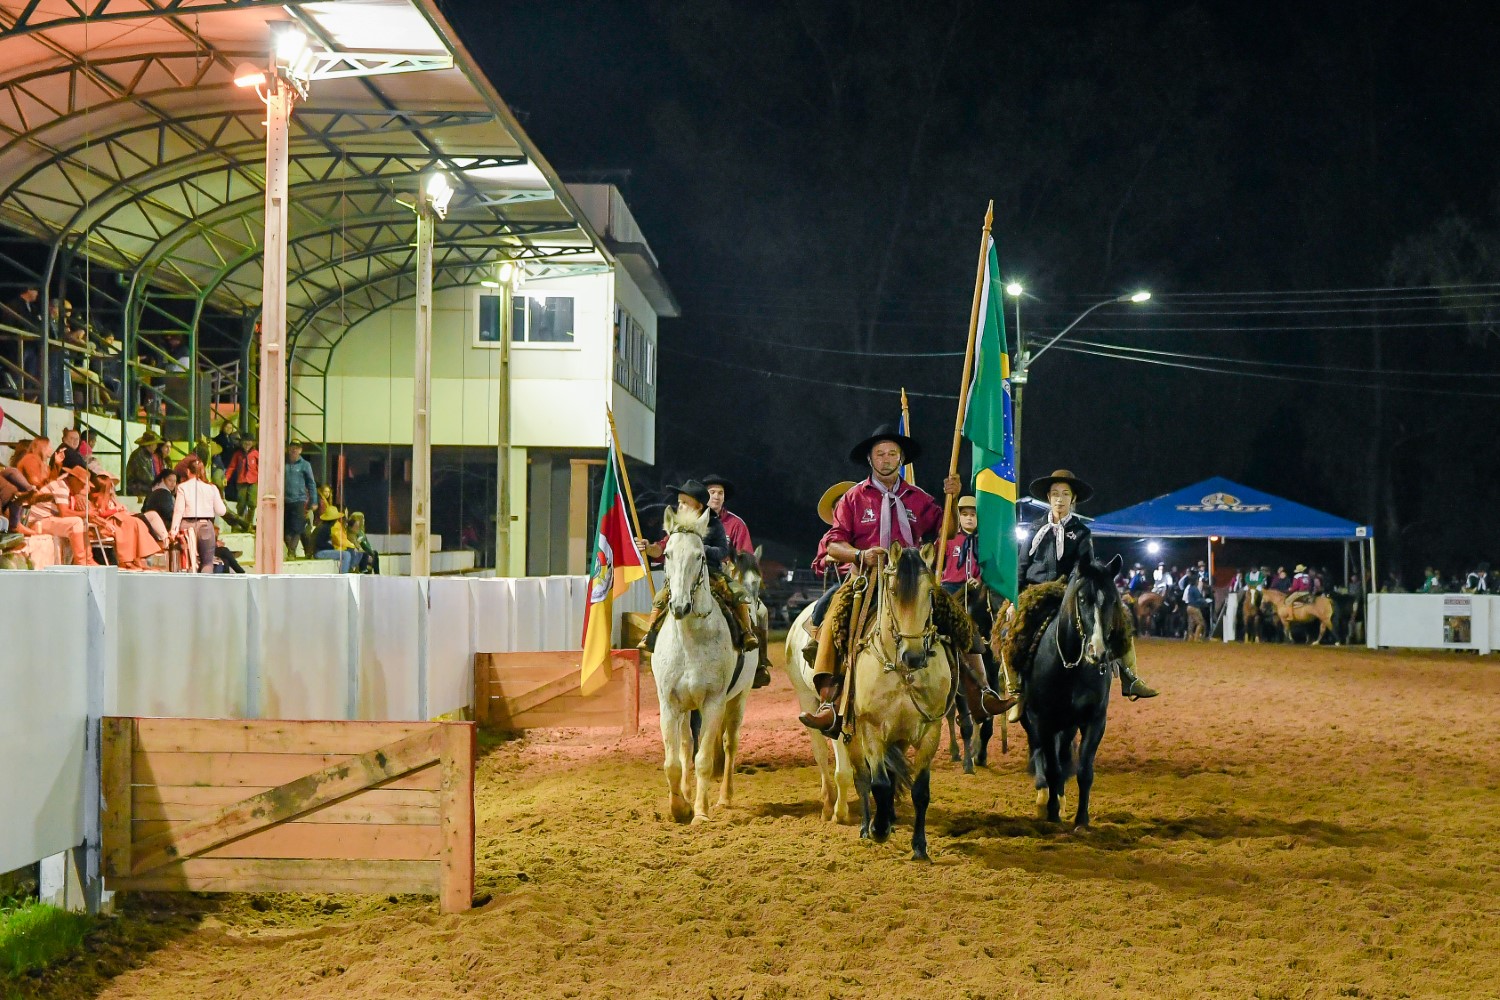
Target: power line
[1281,364]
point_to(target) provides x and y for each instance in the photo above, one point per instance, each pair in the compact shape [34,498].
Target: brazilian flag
[989,424]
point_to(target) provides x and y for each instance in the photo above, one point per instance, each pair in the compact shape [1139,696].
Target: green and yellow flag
[989,424]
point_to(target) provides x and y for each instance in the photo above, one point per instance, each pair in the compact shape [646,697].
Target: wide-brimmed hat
[830,498]
[1081,490]
[691,487]
[910,450]
[1301,568]
[331,513]
[78,472]
[968,502]
[148,438]
[720,481]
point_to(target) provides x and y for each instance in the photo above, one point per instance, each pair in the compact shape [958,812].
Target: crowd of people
[1479,580]
[67,493]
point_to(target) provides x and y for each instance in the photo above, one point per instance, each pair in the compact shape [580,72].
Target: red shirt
[247,464]
[957,569]
[856,517]
[739,534]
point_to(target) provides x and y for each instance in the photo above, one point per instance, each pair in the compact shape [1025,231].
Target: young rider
[738,534]
[962,564]
[692,500]
[1058,542]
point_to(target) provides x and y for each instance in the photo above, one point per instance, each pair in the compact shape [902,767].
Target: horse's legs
[966,730]
[827,786]
[1052,762]
[674,761]
[734,716]
[953,712]
[862,786]
[843,779]
[709,747]
[921,794]
[987,728]
[883,791]
[1087,748]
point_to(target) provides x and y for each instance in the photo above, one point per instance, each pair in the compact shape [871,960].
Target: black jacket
[1045,566]
[715,544]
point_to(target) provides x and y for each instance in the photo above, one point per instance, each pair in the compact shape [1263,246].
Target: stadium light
[1020,532]
[1140,296]
[1015,289]
[249,75]
[1153,548]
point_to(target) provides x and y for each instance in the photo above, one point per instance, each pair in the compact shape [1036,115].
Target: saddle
[1035,610]
[951,618]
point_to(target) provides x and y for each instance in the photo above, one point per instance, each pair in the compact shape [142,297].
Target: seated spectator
[50,515]
[134,543]
[156,509]
[1432,582]
[140,468]
[1477,581]
[227,556]
[369,559]
[71,454]
[33,462]
[331,542]
[13,492]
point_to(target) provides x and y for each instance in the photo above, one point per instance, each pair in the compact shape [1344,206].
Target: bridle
[888,630]
[700,580]
[1070,603]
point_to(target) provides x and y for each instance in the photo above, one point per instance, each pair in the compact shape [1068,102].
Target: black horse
[1067,687]
[981,605]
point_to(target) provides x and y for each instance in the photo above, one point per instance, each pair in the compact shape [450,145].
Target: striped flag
[616,564]
[989,424]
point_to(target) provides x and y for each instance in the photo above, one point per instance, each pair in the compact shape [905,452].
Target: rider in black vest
[1053,546]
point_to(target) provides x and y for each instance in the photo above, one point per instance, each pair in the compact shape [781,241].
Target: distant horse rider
[962,564]
[692,500]
[866,520]
[738,534]
[1057,543]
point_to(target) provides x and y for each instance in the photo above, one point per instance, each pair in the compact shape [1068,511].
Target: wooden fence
[541,690]
[215,805]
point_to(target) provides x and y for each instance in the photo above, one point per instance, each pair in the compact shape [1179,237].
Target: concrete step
[442,563]
[400,544]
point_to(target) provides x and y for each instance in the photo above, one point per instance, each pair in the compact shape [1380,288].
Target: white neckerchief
[890,500]
[1055,529]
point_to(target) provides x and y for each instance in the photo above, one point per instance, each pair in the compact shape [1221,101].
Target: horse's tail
[897,768]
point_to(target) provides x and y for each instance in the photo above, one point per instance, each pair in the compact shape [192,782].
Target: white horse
[835,772]
[694,666]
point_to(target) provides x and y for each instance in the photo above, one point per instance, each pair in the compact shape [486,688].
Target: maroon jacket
[739,534]
[856,518]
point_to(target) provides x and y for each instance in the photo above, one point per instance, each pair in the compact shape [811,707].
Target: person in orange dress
[133,541]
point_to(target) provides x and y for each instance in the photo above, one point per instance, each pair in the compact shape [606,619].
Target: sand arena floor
[1281,823]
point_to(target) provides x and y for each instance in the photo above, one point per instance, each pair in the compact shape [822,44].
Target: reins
[886,624]
[1070,601]
[699,581]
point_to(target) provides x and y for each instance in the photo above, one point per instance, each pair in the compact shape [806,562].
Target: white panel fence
[1434,621]
[84,643]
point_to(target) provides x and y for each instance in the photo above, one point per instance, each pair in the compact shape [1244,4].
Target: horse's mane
[670,522]
[910,570]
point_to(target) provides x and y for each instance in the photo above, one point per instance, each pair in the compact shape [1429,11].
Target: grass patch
[34,935]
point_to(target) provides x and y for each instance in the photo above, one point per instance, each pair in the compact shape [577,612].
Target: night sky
[813,177]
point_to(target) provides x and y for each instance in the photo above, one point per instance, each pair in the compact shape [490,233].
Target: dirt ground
[1281,823]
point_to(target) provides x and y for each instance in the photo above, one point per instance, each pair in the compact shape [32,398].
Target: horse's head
[745,567]
[909,583]
[684,560]
[1091,603]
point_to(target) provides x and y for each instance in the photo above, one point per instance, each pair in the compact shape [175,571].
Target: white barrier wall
[86,643]
[1433,621]
[44,701]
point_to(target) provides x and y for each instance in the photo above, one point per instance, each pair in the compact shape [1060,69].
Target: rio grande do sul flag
[615,565]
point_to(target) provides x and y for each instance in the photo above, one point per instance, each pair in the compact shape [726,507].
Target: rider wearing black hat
[738,534]
[1055,544]
[692,500]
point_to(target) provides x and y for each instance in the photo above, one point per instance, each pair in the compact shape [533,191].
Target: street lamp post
[1024,357]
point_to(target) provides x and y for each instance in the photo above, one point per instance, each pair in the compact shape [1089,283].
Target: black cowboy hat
[1081,490]
[691,487]
[717,480]
[910,450]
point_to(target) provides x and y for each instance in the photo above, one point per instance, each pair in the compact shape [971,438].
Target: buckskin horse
[1067,688]
[903,684]
[1288,613]
[696,667]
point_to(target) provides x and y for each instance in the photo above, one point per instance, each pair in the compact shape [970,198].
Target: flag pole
[911,471]
[963,389]
[635,518]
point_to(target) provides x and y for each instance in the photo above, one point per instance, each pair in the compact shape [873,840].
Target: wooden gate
[216,805]
[541,691]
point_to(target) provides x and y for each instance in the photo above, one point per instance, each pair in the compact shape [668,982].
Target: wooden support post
[457,807]
[116,747]
[632,660]
[483,671]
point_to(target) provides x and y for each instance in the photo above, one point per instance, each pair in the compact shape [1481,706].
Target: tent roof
[1220,507]
[123,139]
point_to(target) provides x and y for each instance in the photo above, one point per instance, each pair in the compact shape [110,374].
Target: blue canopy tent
[1219,508]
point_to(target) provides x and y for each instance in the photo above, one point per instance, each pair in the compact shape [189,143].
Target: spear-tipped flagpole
[911,470]
[963,389]
[635,518]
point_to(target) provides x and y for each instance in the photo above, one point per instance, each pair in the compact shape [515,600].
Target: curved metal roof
[124,139]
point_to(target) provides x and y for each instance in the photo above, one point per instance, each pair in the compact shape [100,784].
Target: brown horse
[1146,607]
[1288,613]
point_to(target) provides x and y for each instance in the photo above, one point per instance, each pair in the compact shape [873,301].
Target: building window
[489,319]
[537,318]
[635,357]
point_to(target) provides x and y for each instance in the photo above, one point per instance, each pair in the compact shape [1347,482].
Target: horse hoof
[681,813]
[919,855]
[699,819]
[968,767]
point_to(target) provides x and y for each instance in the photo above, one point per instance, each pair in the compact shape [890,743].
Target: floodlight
[289,42]
[249,75]
[488,283]
[439,192]
[1154,548]
[505,272]
[1014,289]
[1140,296]
[1021,532]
